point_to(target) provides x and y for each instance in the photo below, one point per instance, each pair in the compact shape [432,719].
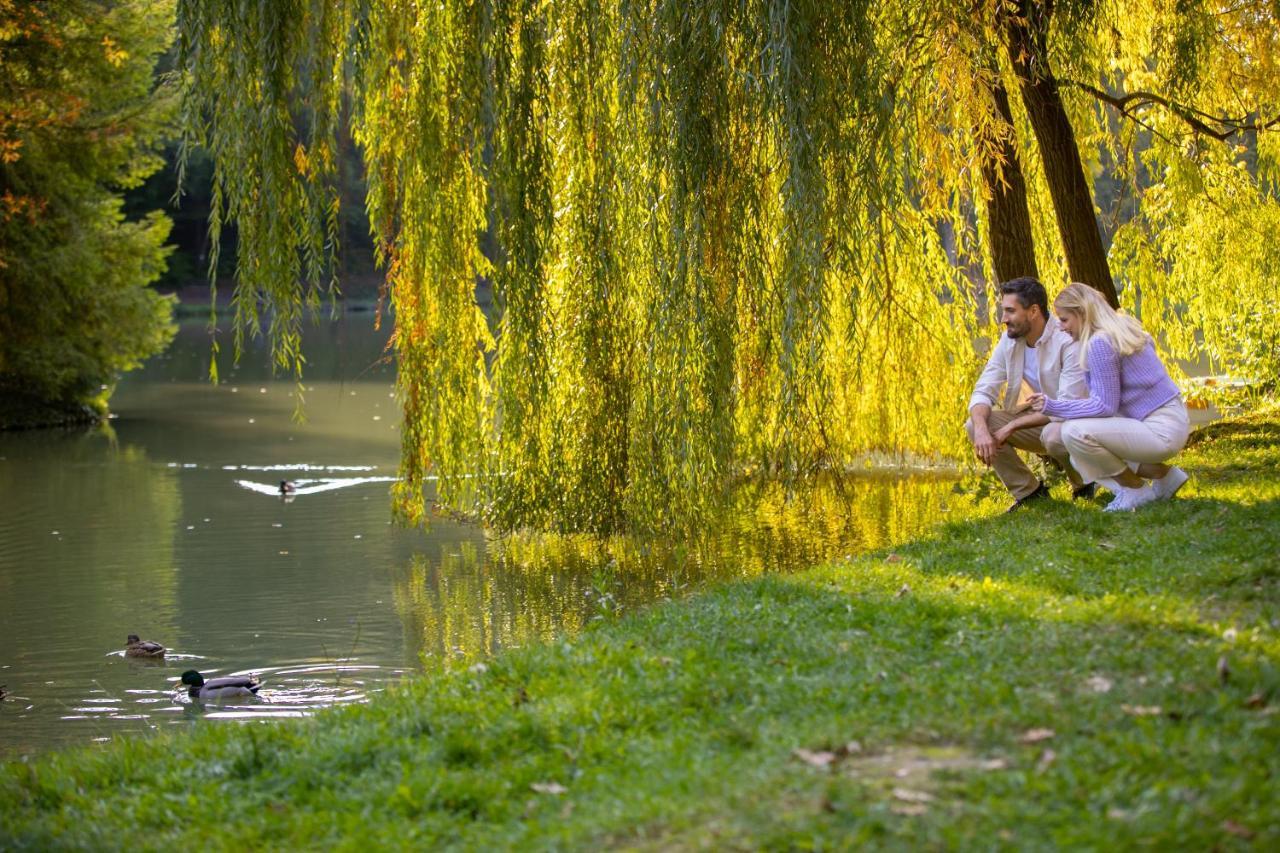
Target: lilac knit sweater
[1132,386]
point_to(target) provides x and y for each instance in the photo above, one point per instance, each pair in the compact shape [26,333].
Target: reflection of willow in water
[534,586]
[467,606]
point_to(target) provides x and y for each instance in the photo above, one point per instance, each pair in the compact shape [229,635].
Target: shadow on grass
[1246,432]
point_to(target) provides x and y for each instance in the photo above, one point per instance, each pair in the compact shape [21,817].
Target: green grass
[915,679]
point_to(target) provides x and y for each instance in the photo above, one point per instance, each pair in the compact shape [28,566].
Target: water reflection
[149,528]
[528,588]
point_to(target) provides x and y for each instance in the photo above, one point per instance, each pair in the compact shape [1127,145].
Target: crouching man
[1036,353]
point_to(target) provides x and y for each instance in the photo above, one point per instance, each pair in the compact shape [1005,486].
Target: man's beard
[1015,332]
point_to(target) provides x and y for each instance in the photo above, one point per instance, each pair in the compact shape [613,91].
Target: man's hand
[986,445]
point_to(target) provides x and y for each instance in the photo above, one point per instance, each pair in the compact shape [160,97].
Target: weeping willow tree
[723,237]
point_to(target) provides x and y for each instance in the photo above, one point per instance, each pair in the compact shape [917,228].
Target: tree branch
[1201,122]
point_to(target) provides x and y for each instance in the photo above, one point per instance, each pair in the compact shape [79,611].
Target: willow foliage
[723,237]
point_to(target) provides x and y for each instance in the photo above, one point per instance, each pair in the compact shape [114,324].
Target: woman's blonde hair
[1125,333]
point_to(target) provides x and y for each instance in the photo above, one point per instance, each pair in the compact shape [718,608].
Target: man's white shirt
[1056,367]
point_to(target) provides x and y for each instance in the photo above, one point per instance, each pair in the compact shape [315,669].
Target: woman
[1133,419]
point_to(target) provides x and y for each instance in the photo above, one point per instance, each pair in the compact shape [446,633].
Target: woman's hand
[1037,402]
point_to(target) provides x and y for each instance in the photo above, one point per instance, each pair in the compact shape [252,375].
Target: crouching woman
[1133,419]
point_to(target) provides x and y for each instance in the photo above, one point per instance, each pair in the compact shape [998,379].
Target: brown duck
[142,648]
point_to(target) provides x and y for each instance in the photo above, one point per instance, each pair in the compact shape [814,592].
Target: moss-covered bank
[1059,678]
[19,410]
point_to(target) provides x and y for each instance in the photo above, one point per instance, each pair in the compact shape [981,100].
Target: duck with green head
[136,648]
[220,688]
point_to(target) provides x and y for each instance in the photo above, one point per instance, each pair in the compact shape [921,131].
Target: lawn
[1062,677]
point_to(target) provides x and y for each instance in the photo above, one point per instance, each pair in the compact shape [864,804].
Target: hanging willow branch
[723,238]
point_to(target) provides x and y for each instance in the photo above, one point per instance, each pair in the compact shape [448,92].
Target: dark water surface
[166,524]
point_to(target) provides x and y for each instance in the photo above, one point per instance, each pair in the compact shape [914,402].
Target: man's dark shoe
[1049,461]
[1041,492]
[1085,492]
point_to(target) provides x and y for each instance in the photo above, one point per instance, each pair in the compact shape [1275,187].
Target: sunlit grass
[1063,677]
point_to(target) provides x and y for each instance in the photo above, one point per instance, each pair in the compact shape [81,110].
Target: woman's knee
[1051,437]
[1074,436]
[1082,438]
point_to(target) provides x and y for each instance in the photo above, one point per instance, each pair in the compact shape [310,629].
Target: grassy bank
[1062,677]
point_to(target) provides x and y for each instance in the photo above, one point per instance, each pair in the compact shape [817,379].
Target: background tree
[79,121]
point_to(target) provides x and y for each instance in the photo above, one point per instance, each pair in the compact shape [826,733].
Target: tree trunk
[1072,198]
[1013,250]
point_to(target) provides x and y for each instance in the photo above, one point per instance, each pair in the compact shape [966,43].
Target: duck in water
[136,648]
[288,487]
[220,688]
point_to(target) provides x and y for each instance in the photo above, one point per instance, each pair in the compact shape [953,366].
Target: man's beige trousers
[1010,468]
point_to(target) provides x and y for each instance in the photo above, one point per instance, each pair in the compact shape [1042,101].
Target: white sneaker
[1120,502]
[1128,499]
[1167,486]
[1142,496]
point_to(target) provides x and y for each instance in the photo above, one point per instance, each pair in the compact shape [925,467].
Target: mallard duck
[136,648]
[2,693]
[219,688]
[288,487]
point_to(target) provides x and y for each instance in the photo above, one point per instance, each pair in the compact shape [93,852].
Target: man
[1034,352]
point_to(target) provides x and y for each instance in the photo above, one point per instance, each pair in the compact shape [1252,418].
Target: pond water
[166,523]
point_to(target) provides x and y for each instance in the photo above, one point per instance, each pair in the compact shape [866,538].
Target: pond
[166,523]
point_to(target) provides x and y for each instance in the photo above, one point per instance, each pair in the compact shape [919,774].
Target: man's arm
[992,381]
[984,443]
[985,395]
[1030,419]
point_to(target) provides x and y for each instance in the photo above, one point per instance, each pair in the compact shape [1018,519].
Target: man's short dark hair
[1029,291]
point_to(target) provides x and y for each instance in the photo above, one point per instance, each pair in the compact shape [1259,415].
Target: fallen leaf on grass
[910,809]
[909,796]
[814,759]
[1257,700]
[1099,684]
[549,788]
[893,558]
[1035,735]
[905,590]
[1046,758]
[1109,546]
[1236,829]
[826,757]
[1142,710]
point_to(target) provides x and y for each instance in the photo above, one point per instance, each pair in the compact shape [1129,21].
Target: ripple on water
[295,691]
